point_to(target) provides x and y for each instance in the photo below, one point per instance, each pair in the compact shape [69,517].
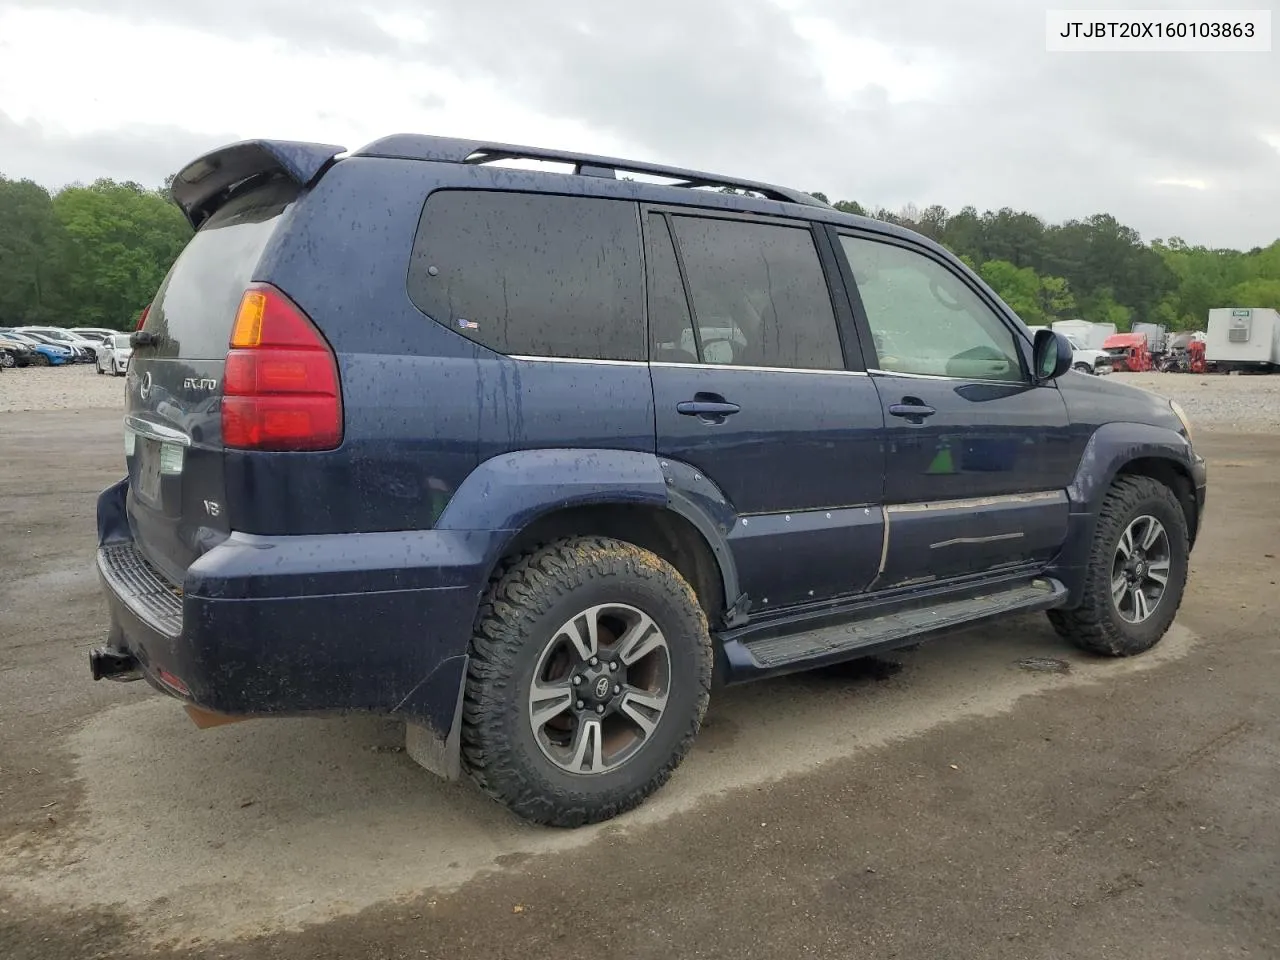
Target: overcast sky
[887,103]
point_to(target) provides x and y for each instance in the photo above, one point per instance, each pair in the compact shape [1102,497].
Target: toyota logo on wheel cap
[602,688]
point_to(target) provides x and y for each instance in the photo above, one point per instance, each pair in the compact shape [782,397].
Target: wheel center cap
[602,686]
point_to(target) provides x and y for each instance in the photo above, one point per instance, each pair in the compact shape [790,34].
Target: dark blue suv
[534,460]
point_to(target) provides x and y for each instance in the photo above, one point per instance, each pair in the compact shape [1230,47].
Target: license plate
[149,471]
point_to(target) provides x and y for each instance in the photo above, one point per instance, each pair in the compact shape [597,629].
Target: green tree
[33,255]
[1255,293]
[123,238]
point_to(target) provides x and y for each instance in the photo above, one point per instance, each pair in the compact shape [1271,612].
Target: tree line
[94,255]
[1094,269]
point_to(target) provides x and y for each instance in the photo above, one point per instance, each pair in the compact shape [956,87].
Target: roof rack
[412,146]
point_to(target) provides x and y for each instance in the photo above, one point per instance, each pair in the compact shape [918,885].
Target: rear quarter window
[533,274]
[195,308]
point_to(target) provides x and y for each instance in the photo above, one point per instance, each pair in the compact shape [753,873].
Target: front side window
[759,295]
[925,320]
[533,274]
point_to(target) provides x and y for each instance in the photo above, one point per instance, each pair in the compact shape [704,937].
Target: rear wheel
[98,363]
[1136,575]
[589,676]
[6,359]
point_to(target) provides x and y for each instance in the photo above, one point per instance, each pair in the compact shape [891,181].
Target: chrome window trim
[695,366]
[606,363]
[734,366]
[1021,381]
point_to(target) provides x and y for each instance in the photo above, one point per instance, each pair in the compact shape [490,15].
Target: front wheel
[1083,368]
[6,359]
[1136,574]
[589,676]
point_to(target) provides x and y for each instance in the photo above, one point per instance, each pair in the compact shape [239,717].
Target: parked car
[77,353]
[1085,360]
[97,334]
[45,354]
[113,355]
[15,353]
[533,461]
[84,351]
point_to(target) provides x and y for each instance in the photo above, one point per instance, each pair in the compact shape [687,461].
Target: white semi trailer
[1243,338]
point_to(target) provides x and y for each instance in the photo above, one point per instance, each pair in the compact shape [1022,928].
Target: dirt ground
[944,802]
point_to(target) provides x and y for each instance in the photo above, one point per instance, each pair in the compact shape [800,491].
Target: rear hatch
[173,408]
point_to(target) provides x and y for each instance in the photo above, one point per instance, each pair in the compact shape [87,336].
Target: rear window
[195,307]
[533,274]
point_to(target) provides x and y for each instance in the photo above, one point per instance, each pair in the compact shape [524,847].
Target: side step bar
[861,637]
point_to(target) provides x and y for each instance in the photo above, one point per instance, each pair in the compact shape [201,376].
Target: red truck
[1128,351]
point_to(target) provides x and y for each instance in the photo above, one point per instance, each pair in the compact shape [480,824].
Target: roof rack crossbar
[450,150]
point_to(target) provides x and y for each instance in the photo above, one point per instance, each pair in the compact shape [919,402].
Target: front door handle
[711,408]
[911,410]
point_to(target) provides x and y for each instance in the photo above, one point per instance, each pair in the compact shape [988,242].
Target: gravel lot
[1246,404]
[59,388]
[1234,404]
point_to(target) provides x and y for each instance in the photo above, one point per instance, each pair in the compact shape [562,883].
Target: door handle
[710,408]
[911,410]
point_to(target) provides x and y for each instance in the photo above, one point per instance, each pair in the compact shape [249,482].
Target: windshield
[120,342]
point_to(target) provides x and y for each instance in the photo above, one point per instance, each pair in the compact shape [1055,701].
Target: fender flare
[508,492]
[1110,448]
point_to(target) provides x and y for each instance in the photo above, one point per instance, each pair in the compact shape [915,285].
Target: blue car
[536,461]
[46,354]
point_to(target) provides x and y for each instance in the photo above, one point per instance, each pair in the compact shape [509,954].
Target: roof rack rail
[412,146]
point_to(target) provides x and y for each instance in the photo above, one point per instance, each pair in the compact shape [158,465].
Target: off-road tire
[526,601]
[1095,625]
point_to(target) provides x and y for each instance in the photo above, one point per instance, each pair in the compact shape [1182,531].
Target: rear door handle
[707,409]
[914,412]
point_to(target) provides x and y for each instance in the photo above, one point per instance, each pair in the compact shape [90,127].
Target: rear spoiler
[204,184]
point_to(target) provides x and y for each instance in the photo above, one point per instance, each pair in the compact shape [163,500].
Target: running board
[797,651]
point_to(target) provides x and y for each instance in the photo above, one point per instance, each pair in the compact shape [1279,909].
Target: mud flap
[441,756]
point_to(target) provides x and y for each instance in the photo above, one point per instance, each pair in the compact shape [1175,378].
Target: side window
[532,274]
[924,319]
[759,295]
[671,337]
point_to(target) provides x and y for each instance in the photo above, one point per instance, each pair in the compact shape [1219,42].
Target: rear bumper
[300,625]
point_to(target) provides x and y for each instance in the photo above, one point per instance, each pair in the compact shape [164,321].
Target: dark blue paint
[352,578]
[199,184]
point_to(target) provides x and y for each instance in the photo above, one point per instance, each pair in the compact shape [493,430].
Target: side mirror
[1052,355]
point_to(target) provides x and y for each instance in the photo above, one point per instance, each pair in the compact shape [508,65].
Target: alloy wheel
[1140,569]
[599,689]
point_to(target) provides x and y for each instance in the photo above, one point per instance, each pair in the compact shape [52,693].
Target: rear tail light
[142,317]
[280,387]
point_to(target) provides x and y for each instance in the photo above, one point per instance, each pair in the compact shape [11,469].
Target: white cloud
[932,101]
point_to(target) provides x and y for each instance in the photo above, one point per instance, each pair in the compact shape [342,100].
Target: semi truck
[1244,339]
